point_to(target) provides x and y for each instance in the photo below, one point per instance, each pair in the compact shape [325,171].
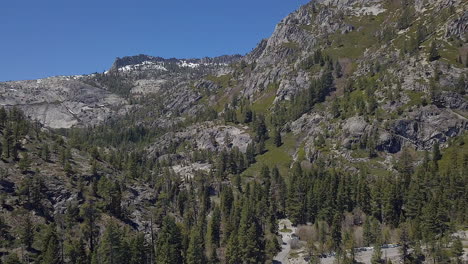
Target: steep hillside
[350,121]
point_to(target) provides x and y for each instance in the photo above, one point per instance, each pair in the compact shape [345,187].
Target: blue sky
[66,37]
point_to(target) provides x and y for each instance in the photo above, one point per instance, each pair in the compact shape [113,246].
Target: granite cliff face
[367,39]
[416,101]
[350,85]
[86,100]
[61,102]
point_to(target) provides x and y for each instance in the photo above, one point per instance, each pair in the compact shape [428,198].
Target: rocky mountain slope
[345,94]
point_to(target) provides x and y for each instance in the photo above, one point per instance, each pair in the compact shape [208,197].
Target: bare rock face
[208,135]
[458,27]
[64,102]
[450,100]
[61,102]
[430,124]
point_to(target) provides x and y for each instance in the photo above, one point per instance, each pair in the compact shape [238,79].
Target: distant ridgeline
[350,121]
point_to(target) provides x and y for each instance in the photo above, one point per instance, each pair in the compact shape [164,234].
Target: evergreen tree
[248,115]
[233,254]
[51,247]
[111,250]
[45,152]
[260,147]
[76,252]
[405,244]
[436,156]
[195,251]
[277,138]
[27,231]
[89,227]
[433,52]
[377,255]
[7,142]
[261,131]
[250,153]
[336,231]
[138,249]
[169,243]
[250,236]
[3,116]
[12,258]
[214,229]
[368,234]
[457,249]
[295,196]
[406,17]
[24,164]
[461,85]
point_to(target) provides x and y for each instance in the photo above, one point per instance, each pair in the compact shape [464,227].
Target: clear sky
[66,37]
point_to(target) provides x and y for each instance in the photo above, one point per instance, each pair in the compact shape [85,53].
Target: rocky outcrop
[450,100]
[458,27]
[429,125]
[61,102]
[204,136]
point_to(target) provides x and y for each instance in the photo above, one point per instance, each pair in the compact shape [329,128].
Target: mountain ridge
[349,122]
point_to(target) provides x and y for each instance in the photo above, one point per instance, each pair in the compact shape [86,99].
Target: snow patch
[142,66]
[188,64]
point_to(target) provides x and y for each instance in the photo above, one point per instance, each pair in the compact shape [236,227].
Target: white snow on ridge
[196,65]
[149,65]
[189,64]
[143,66]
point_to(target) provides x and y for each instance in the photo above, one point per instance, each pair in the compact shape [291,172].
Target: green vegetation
[353,44]
[262,104]
[290,45]
[118,192]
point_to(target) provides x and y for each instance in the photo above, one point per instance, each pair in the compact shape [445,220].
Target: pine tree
[336,231]
[294,197]
[195,251]
[89,228]
[338,70]
[233,255]
[377,256]
[436,155]
[213,234]
[24,164]
[462,85]
[27,231]
[260,129]
[111,250]
[3,116]
[75,250]
[45,153]
[51,247]
[457,249]
[405,244]
[277,138]
[250,153]
[368,235]
[252,248]
[248,115]
[138,249]
[169,243]
[433,52]
[260,147]
[12,258]
[7,143]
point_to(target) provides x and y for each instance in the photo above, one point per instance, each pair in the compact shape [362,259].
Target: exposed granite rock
[61,102]
[206,135]
[458,27]
[430,124]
